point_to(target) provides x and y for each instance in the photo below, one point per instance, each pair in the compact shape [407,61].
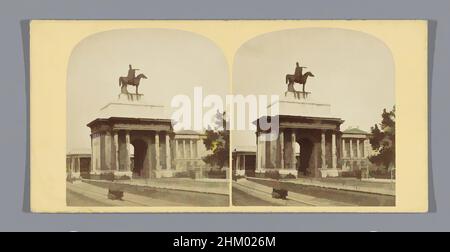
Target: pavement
[348,184]
[84,194]
[173,191]
[214,186]
[264,193]
[333,193]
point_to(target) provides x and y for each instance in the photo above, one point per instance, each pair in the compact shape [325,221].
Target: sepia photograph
[326,137]
[124,149]
[229,116]
[225,124]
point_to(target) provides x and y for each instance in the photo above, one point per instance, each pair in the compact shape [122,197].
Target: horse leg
[137,88]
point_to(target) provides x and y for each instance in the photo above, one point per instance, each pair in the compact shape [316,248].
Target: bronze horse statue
[299,78]
[124,81]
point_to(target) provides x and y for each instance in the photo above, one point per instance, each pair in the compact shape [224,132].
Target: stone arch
[140,153]
[306,150]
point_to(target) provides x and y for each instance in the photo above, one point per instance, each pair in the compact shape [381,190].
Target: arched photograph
[124,147]
[331,94]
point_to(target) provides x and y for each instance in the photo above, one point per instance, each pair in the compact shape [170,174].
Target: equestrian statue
[131,80]
[297,77]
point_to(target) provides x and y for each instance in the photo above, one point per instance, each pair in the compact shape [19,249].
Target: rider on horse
[298,72]
[131,73]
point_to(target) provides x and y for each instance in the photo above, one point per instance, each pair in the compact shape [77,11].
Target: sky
[354,72]
[174,61]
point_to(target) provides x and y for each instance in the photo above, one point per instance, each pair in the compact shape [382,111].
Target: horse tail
[287,78]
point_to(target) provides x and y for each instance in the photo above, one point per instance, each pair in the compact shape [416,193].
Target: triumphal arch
[308,142]
[129,126]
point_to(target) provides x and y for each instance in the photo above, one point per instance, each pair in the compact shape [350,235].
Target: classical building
[131,138]
[244,160]
[356,149]
[306,125]
[189,151]
[78,163]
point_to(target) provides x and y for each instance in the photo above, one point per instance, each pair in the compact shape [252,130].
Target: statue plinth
[128,105]
[129,97]
[302,104]
[297,95]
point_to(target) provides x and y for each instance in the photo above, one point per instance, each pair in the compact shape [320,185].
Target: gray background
[14,111]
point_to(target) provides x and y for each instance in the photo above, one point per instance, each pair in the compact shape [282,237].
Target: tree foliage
[218,142]
[383,140]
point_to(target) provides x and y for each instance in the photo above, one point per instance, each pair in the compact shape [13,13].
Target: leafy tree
[218,141]
[383,140]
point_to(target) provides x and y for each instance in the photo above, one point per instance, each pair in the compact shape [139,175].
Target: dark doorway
[306,148]
[85,167]
[250,165]
[140,150]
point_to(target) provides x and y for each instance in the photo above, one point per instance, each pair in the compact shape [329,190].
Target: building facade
[78,163]
[133,139]
[356,149]
[244,160]
[189,151]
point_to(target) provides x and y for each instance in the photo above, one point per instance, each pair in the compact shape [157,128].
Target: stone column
[333,151]
[273,153]
[324,161]
[127,145]
[263,152]
[243,167]
[92,156]
[158,163]
[366,148]
[343,149]
[351,148]
[108,151]
[358,151]
[199,142]
[116,148]
[184,149]
[176,148]
[258,149]
[168,155]
[293,142]
[282,148]
[238,162]
[72,165]
[191,148]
